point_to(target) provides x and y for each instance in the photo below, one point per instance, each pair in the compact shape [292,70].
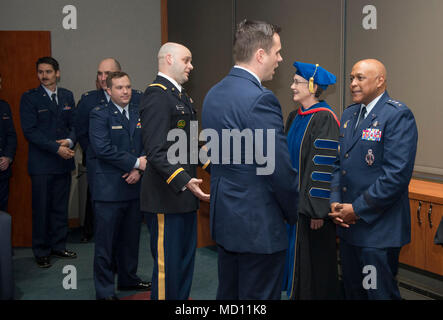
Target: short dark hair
[115,75]
[48,60]
[318,92]
[251,36]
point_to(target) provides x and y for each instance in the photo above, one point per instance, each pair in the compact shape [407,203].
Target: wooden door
[413,254]
[19,50]
[434,252]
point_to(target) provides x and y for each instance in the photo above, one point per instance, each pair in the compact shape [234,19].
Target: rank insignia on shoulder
[157,85]
[181,124]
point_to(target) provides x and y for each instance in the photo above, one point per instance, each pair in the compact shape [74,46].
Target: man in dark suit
[8,145]
[115,140]
[46,118]
[250,201]
[170,192]
[88,101]
[369,188]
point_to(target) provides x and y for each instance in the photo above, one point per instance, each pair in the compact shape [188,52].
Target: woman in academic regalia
[312,134]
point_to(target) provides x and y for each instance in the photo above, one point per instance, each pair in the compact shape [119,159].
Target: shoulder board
[88,93]
[158,85]
[32,90]
[394,103]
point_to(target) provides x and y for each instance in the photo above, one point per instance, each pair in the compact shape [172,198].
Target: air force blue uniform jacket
[8,137]
[372,172]
[43,122]
[87,102]
[248,211]
[115,147]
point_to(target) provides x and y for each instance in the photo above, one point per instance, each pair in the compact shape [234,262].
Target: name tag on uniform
[6,118]
[117,127]
[371,135]
[42,110]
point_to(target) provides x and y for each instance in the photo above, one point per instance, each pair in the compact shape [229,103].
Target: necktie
[125,118]
[53,98]
[360,118]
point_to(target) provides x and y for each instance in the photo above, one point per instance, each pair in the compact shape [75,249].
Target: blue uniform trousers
[4,193]
[50,198]
[173,245]
[6,275]
[250,276]
[117,238]
[353,261]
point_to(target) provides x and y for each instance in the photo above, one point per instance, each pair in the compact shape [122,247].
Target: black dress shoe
[110,298]
[64,254]
[43,262]
[141,286]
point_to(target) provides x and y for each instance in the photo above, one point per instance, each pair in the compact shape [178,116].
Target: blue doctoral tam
[322,77]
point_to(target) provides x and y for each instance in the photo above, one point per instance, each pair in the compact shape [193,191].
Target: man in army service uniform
[170,192]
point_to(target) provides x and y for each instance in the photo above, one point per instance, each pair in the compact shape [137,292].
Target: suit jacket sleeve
[101,142]
[29,121]
[11,136]
[266,114]
[155,119]
[400,145]
[72,132]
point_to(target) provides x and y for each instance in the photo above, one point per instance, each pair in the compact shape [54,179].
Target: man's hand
[343,214]
[63,142]
[194,186]
[4,163]
[132,177]
[142,165]
[316,224]
[65,152]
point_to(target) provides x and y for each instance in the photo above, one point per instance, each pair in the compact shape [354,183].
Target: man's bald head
[368,80]
[174,60]
[105,67]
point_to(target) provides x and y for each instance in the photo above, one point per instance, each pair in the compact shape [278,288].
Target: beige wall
[311,32]
[408,41]
[127,30]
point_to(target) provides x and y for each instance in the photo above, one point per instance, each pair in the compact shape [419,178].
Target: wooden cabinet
[426,200]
